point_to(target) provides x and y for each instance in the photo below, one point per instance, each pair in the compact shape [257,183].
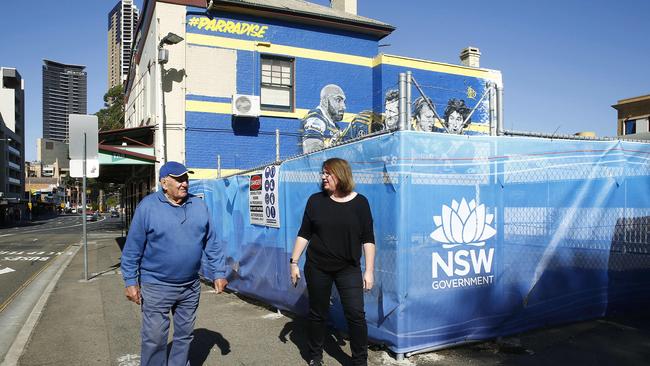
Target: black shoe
[316,363]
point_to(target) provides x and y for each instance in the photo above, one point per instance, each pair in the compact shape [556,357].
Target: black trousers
[349,283]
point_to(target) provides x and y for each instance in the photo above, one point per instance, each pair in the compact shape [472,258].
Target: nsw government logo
[462,229]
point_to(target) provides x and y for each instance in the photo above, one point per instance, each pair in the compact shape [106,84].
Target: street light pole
[83,216]
[162,57]
[159,111]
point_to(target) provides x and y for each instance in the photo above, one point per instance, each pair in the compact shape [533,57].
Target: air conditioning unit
[245,105]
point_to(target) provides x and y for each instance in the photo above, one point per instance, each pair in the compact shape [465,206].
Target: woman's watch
[291,261]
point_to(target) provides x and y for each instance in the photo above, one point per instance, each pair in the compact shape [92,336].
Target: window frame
[291,88]
[632,122]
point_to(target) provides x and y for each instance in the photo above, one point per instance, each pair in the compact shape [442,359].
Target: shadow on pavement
[297,332]
[203,342]
[120,242]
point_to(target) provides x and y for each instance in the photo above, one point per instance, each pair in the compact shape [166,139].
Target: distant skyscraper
[64,92]
[122,21]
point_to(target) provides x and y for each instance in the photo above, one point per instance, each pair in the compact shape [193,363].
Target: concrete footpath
[92,323]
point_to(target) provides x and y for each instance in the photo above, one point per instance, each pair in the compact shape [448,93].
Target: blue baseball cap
[174,169]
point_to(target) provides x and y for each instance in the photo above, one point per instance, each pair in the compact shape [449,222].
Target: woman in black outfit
[337,224]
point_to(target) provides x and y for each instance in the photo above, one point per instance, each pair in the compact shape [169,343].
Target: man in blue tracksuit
[169,233]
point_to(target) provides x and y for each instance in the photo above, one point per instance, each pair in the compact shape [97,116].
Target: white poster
[271,199]
[256,200]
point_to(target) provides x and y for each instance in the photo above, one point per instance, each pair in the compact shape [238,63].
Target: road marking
[13,252]
[128,360]
[6,270]
[18,345]
[27,259]
[54,228]
[26,283]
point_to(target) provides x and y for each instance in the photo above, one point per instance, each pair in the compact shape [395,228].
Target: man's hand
[220,285]
[133,294]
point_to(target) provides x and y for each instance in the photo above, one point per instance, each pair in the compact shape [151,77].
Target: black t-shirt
[336,231]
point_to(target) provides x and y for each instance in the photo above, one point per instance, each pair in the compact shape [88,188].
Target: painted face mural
[319,125]
[424,116]
[391,109]
[455,114]
[336,106]
[391,114]
[455,122]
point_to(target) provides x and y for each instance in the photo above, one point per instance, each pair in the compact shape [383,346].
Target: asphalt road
[25,251]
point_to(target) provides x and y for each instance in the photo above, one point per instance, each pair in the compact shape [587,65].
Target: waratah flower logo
[463,224]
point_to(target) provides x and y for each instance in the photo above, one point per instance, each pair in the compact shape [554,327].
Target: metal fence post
[277,144]
[402,100]
[409,77]
[499,110]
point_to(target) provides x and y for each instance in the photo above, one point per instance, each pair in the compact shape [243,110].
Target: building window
[49,145]
[277,84]
[630,127]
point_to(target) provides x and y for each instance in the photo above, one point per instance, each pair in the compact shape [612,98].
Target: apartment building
[65,89]
[122,21]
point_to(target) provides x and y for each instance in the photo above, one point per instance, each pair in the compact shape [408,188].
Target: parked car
[115,214]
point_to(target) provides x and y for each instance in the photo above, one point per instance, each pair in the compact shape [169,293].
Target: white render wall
[143,98]
[172,19]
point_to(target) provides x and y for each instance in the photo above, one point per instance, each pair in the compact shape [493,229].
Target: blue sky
[564,62]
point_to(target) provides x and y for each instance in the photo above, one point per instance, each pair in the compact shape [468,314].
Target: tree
[111,117]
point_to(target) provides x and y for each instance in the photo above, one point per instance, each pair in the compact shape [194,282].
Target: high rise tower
[64,92]
[122,21]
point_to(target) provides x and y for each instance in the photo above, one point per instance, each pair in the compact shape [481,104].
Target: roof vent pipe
[348,6]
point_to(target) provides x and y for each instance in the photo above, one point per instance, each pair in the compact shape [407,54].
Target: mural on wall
[319,126]
[455,119]
[391,110]
[455,115]
[361,125]
[323,126]
[424,117]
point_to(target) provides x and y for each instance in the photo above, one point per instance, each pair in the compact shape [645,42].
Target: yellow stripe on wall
[382,59]
[226,108]
[238,44]
[211,173]
[437,67]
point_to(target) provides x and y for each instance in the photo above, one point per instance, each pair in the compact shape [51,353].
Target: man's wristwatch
[291,261]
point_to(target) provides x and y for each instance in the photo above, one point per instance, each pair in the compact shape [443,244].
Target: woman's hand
[368,280]
[295,274]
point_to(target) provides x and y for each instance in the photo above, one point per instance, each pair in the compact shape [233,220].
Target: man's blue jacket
[165,242]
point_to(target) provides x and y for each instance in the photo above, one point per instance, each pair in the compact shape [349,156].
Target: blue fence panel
[477,236]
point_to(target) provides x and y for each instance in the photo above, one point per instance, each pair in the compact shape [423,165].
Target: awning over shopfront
[126,154]
[127,157]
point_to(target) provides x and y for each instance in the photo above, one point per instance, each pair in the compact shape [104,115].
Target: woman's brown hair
[342,171]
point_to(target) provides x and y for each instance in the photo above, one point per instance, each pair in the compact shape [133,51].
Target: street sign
[83,131]
[84,149]
[77,170]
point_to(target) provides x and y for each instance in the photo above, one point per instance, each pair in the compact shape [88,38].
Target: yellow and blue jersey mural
[317,86]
